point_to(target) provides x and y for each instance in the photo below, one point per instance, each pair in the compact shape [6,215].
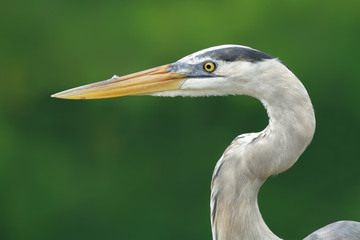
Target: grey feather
[342,230]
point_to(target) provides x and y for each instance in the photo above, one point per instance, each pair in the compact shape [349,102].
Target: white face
[224,81]
[226,78]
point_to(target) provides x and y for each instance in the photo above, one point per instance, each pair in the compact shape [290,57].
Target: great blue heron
[251,158]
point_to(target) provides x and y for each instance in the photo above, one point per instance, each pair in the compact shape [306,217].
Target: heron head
[212,71]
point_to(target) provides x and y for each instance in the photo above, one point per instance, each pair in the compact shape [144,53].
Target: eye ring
[209,66]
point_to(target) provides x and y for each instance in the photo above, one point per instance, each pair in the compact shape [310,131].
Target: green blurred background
[140,167]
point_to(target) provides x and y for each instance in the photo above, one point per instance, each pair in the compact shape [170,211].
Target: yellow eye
[209,66]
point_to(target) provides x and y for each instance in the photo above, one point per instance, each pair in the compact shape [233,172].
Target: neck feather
[252,158]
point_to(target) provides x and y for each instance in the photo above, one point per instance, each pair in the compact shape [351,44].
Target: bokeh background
[140,167]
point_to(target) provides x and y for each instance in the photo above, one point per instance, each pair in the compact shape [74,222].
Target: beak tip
[56,95]
[62,95]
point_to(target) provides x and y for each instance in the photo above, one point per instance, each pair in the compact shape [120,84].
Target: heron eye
[209,66]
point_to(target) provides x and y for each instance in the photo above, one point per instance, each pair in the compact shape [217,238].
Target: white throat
[252,158]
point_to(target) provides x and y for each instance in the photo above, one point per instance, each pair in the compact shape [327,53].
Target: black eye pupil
[208,66]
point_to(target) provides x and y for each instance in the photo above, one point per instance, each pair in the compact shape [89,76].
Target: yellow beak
[153,80]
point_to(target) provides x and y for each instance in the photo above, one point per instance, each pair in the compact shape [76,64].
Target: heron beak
[153,80]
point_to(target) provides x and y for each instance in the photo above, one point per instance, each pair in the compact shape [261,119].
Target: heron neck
[252,158]
[290,129]
[235,212]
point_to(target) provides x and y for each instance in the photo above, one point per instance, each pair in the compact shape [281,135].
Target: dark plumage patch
[231,54]
[213,210]
[217,170]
